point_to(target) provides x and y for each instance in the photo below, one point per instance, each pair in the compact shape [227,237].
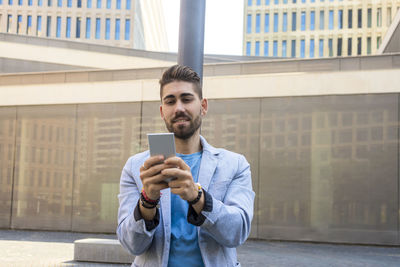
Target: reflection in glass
[44,167]
[339,182]
[107,135]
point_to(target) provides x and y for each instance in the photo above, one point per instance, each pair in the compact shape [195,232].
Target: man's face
[182,109]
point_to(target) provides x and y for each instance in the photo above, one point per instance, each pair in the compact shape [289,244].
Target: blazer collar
[208,163]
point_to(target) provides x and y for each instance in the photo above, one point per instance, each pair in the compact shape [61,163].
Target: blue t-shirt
[184,247]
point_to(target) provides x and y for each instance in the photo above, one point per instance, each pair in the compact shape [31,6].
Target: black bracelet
[146,204]
[197,198]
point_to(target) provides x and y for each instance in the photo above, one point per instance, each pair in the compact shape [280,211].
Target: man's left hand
[183,185]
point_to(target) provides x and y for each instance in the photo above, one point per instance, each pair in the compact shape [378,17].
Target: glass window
[108,4]
[312,20]
[98,27]
[303,1]
[68,28]
[30,2]
[302,48]
[284,48]
[69,3]
[249,2]
[40,2]
[285,1]
[88,22]
[248,48]
[330,19]
[118,4]
[127,29]
[369,45]
[369,17]
[258,21]
[249,23]
[379,17]
[258,2]
[330,47]
[267,2]
[312,48]
[29,25]
[78,28]
[266,23]
[321,48]
[378,42]
[275,48]
[389,16]
[359,18]
[349,46]
[89,4]
[20,2]
[117,29]
[303,21]
[293,54]
[58,33]
[48,26]
[350,19]
[276,22]
[59,3]
[10,2]
[257,52]
[38,25]
[49,2]
[276,2]
[19,23]
[294,21]
[359,46]
[79,3]
[266,48]
[321,20]
[9,23]
[98,4]
[284,24]
[128,4]
[340,19]
[339,47]
[294,1]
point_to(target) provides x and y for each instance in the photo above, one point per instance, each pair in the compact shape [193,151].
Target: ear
[204,106]
[161,112]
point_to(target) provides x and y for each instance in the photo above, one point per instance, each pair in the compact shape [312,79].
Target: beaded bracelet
[200,192]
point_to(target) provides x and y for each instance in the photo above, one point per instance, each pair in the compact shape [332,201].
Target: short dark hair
[181,73]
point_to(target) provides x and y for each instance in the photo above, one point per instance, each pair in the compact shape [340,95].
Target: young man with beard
[199,218]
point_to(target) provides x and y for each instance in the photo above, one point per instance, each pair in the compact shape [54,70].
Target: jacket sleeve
[229,221]
[132,234]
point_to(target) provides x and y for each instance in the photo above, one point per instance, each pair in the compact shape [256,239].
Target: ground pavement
[53,249]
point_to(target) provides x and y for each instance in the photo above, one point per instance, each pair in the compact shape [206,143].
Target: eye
[186,99]
[169,102]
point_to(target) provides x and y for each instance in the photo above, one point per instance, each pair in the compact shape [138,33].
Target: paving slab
[56,249]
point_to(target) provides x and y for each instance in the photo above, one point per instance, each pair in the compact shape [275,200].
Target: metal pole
[191,34]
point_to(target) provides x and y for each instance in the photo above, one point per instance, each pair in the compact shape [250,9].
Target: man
[199,218]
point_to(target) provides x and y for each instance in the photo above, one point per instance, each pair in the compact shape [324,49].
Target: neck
[188,146]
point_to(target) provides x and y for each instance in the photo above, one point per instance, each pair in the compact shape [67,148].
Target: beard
[182,131]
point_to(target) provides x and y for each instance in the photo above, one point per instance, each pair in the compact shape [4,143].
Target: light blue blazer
[226,177]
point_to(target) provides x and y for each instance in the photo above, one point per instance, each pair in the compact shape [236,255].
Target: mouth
[180,120]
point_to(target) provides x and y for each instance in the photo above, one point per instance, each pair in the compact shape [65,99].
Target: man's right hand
[152,179]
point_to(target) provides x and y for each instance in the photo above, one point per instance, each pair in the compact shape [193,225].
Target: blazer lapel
[207,168]
[165,203]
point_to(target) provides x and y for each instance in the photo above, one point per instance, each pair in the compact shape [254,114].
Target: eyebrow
[182,95]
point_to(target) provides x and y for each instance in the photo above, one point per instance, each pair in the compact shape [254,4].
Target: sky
[223,29]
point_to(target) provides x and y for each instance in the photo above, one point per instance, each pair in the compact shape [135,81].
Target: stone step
[101,250]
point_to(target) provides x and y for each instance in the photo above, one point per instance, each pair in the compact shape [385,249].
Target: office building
[316,28]
[108,22]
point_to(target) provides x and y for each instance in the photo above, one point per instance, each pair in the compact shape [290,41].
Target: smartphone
[162,144]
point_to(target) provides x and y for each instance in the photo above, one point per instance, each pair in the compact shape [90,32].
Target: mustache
[180,116]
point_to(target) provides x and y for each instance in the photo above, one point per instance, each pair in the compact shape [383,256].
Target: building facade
[107,22]
[316,28]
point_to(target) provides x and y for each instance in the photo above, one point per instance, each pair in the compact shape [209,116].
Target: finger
[175,172]
[177,162]
[156,179]
[159,186]
[152,161]
[153,170]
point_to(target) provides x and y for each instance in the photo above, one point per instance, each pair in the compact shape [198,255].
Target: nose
[179,107]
